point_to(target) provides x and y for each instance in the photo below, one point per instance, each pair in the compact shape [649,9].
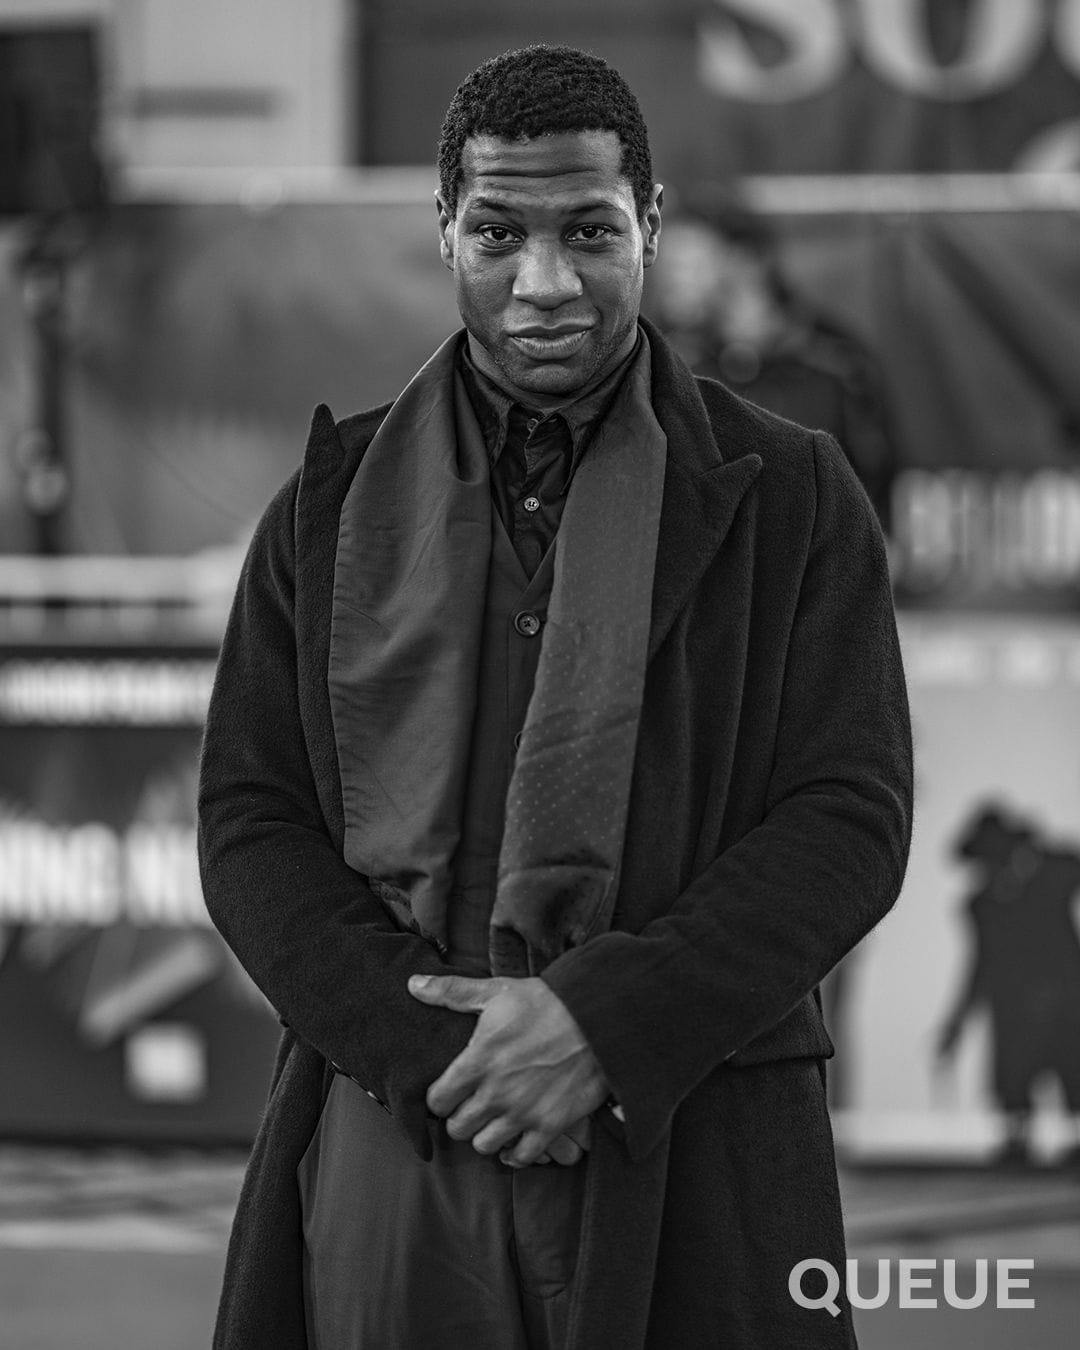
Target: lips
[549,344]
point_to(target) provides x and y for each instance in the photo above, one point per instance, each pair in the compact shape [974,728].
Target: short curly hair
[540,91]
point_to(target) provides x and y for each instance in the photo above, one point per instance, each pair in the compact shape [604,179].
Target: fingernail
[418,981]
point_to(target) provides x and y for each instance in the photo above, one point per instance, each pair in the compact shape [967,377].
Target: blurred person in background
[559,747]
[721,298]
[1024,969]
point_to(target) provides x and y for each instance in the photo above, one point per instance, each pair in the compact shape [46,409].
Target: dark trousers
[406,1255]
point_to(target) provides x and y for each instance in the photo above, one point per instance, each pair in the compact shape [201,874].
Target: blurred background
[215,214]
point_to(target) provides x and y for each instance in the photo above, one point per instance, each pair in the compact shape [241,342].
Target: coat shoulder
[742,427]
[802,467]
[787,486]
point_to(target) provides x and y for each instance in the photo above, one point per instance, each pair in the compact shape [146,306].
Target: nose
[546,275]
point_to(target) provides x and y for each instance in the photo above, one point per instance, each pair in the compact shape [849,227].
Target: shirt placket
[539,503]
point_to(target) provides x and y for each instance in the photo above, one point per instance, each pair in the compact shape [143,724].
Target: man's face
[547,252]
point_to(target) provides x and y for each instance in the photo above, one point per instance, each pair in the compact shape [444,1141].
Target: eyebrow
[488,204]
[579,208]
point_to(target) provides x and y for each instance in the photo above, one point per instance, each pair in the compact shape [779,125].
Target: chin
[551,377]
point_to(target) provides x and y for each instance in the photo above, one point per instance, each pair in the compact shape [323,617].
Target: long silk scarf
[414,540]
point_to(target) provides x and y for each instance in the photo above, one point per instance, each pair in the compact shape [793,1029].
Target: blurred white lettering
[1001,42]
[62,875]
[162,874]
[811,31]
[90,874]
[80,692]
[1003,38]
[984,531]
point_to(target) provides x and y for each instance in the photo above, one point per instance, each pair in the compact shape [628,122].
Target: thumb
[457,992]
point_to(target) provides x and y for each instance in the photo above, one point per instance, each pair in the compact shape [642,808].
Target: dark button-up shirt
[534,454]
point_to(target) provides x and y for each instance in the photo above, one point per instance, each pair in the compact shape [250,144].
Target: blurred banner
[765,86]
[122,1013]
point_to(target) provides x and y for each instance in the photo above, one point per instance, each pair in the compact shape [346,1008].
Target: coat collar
[702,490]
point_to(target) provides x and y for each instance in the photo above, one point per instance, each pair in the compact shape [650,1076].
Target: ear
[650,225]
[446,231]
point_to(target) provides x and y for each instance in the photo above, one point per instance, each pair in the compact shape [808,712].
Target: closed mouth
[551,345]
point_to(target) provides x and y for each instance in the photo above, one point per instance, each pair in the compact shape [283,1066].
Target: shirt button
[527,624]
[531,503]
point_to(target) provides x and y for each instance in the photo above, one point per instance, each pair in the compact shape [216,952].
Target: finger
[543,1160]
[457,992]
[564,1151]
[527,1149]
[581,1132]
[471,1117]
[454,1085]
[495,1135]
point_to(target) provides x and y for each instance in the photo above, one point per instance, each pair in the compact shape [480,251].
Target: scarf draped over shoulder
[414,542]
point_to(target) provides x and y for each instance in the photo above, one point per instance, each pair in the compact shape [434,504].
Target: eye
[592,234]
[499,235]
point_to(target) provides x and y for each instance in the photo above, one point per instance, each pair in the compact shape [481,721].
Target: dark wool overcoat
[768,832]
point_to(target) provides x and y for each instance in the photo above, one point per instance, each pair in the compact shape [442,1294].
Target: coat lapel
[702,490]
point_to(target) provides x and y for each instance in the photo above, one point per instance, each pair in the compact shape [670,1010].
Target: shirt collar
[581,415]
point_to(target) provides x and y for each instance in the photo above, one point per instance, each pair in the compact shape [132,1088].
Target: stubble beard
[517,372]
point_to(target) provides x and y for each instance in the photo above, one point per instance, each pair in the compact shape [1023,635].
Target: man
[571,684]
[1024,968]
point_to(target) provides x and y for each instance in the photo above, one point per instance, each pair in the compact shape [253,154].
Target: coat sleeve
[757,930]
[305,926]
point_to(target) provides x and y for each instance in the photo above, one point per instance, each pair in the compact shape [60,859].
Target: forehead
[562,167]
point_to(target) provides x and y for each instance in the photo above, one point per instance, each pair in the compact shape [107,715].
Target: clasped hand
[526,1075]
